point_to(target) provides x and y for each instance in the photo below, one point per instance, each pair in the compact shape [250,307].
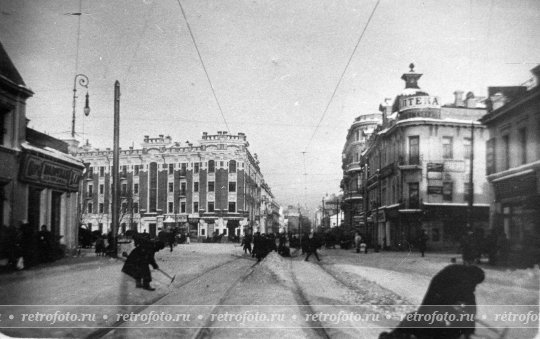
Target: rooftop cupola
[411,78]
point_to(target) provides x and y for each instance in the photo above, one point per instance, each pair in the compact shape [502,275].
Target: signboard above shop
[47,173]
[418,102]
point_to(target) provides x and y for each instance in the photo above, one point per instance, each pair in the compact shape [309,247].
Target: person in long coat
[450,292]
[312,246]
[139,259]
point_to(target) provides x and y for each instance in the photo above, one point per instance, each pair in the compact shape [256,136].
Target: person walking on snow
[312,246]
[422,242]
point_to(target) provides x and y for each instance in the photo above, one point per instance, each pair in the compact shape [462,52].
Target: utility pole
[471,187]
[322,216]
[116,162]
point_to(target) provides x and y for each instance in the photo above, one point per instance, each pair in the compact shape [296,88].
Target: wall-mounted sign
[44,172]
[419,102]
[435,190]
[435,167]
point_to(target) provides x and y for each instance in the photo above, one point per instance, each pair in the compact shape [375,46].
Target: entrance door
[56,215]
[152,230]
[34,205]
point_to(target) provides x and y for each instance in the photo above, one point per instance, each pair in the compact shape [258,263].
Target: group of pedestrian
[26,246]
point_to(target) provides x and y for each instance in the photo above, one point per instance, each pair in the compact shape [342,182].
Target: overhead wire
[343,74]
[203,65]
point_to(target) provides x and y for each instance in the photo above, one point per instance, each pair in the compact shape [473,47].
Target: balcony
[352,167]
[410,164]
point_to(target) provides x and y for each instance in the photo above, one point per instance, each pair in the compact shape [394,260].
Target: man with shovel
[139,259]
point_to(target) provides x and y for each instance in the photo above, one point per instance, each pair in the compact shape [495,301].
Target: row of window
[170,207]
[414,151]
[124,191]
[171,167]
[521,154]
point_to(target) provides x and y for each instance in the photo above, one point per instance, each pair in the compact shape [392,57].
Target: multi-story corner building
[210,188]
[416,170]
[38,178]
[359,132]
[513,166]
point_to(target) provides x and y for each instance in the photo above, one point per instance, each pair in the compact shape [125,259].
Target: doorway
[34,207]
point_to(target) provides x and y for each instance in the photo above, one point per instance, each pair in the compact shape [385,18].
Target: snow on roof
[53,153]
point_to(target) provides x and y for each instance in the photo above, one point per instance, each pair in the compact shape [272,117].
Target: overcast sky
[273,64]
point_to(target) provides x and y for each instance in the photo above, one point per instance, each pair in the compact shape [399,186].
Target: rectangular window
[101,171]
[196,167]
[171,187]
[211,166]
[183,188]
[90,208]
[232,186]
[90,190]
[164,166]
[202,231]
[414,201]
[232,207]
[124,170]
[136,188]
[195,207]
[100,207]
[506,148]
[414,150]
[171,207]
[523,145]
[124,189]
[467,148]
[90,172]
[183,207]
[490,156]
[136,170]
[196,186]
[171,168]
[448,147]
[101,188]
[135,207]
[124,207]
[210,206]
[447,191]
[211,187]
[183,169]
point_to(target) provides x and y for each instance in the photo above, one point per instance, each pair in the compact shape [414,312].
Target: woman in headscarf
[448,310]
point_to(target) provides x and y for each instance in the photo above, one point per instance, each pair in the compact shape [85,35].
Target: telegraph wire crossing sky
[287,74]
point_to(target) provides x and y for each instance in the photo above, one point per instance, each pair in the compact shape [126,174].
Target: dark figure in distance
[312,246]
[246,242]
[451,291]
[422,242]
[139,259]
[304,243]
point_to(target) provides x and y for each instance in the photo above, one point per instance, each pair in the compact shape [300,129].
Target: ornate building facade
[215,187]
[415,171]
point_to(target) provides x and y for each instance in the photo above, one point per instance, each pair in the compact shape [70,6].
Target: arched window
[232,166]
[211,166]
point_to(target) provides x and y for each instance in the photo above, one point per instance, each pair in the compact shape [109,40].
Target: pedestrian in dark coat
[422,242]
[138,261]
[467,247]
[312,246]
[450,292]
[247,243]
[304,243]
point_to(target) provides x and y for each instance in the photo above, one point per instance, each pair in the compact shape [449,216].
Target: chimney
[219,132]
[411,78]
[386,109]
[146,137]
[458,98]
[204,135]
[470,100]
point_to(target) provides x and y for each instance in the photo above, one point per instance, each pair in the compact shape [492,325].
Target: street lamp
[83,81]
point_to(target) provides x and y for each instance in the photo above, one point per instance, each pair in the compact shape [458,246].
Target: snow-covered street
[220,292]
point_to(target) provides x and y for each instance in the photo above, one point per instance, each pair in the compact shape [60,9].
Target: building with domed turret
[414,171]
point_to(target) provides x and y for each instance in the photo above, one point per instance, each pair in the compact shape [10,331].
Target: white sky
[273,64]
